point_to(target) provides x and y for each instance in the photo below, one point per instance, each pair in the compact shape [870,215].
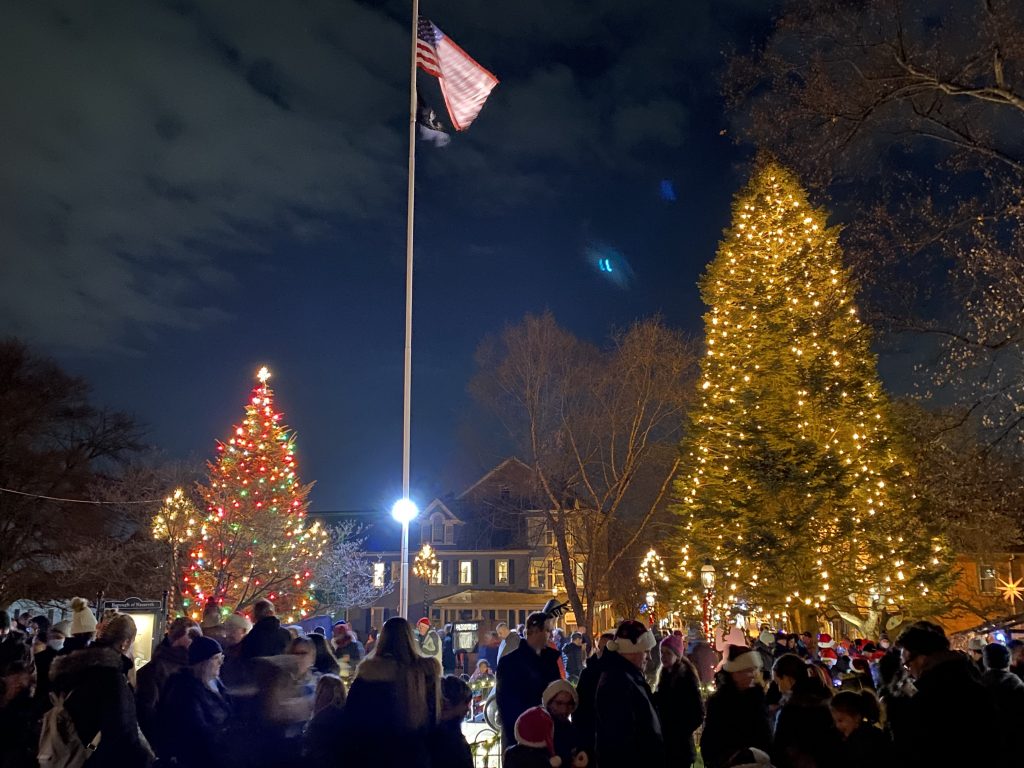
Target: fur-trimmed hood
[86,660]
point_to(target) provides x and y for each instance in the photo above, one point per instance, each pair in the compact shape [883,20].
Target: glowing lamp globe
[707,575]
[404,511]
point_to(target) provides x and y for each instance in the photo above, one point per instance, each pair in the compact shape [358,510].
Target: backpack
[59,743]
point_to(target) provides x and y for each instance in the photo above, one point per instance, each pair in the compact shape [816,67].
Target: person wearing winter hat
[430,641]
[678,702]
[535,741]
[195,710]
[976,648]
[628,728]
[560,700]
[83,626]
[737,714]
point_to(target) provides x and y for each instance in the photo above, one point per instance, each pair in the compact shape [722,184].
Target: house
[495,555]
[984,591]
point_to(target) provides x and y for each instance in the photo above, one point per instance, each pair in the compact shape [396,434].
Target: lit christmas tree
[255,540]
[793,485]
[175,525]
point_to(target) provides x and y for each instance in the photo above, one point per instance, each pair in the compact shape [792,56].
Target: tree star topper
[263,374]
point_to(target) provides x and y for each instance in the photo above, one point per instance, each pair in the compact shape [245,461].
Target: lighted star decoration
[1012,590]
[263,375]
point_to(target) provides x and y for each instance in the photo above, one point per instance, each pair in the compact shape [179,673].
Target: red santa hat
[535,728]
[424,620]
[829,656]
[825,641]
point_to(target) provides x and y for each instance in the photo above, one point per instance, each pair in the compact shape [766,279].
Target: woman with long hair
[805,736]
[856,715]
[737,715]
[395,699]
[678,701]
[326,663]
[322,743]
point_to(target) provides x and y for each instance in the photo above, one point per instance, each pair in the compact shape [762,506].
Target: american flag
[464,83]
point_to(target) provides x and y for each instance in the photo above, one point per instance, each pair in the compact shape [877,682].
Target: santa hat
[825,641]
[82,618]
[536,729]
[642,644]
[424,620]
[739,658]
[829,656]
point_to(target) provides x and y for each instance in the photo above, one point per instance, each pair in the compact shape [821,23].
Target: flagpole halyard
[407,388]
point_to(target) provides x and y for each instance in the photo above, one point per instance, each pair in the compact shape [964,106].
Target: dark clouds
[212,185]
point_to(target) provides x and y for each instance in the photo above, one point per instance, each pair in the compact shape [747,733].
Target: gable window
[449,533]
[986,579]
[437,529]
[378,574]
[501,571]
[465,571]
[504,492]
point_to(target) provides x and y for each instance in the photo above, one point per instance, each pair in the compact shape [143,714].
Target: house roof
[439,506]
[484,599]
[511,461]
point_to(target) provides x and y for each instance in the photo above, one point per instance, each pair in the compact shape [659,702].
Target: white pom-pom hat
[643,644]
[535,728]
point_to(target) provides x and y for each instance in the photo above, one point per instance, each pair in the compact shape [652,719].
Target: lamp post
[404,511]
[707,579]
[425,568]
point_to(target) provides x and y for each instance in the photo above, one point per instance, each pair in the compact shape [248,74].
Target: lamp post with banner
[707,580]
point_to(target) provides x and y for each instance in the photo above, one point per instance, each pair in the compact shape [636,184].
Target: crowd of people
[270,696]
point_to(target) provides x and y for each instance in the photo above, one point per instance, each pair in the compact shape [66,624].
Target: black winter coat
[448,747]
[150,682]
[99,699]
[194,721]
[868,747]
[266,638]
[681,709]
[585,717]
[518,756]
[628,729]
[572,658]
[522,677]
[805,734]
[735,720]
[1007,691]
[950,720]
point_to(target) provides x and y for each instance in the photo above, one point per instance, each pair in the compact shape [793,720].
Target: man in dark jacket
[950,720]
[572,656]
[267,637]
[628,727]
[585,717]
[523,674]
[170,656]
[1007,691]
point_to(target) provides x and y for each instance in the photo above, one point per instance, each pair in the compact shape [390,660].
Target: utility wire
[77,501]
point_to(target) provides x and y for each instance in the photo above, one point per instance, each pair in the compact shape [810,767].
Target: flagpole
[407,411]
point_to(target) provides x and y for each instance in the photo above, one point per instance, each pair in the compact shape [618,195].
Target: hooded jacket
[98,698]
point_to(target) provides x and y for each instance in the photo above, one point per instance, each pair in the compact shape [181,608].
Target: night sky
[193,189]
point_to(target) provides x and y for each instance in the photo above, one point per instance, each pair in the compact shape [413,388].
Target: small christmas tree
[793,484]
[254,540]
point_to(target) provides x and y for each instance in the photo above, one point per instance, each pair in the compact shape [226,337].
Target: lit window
[986,579]
[501,571]
[378,574]
[538,573]
[435,577]
[465,571]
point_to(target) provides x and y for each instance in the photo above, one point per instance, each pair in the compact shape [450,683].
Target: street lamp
[707,579]
[404,511]
[652,570]
[425,569]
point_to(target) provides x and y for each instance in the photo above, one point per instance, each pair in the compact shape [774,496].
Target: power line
[77,501]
